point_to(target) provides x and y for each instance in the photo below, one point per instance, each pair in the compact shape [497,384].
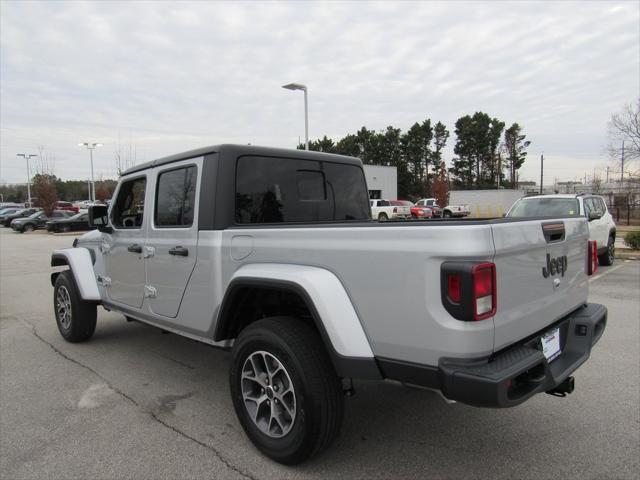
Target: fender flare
[80,262]
[328,302]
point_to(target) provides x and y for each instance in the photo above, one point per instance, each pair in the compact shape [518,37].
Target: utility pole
[622,172]
[27,156]
[541,171]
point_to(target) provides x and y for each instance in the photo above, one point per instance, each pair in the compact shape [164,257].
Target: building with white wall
[382,181]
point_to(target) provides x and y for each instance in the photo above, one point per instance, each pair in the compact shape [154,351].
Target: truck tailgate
[529,296]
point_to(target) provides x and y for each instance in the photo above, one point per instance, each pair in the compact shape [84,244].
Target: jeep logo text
[555,265]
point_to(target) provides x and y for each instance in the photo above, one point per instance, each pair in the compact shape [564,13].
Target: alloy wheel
[63,307]
[268,394]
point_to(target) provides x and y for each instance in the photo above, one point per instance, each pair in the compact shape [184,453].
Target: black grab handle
[135,248]
[181,251]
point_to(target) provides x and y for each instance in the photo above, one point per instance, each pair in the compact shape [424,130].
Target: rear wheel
[383,217]
[446,214]
[75,317]
[285,390]
[609,256]
[28,228]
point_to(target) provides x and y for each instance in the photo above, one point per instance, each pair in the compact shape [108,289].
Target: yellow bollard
[477,211]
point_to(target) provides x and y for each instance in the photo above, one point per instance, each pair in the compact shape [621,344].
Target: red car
[416,212]
[66,206]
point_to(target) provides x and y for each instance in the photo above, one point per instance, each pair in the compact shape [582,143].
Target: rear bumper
[515,374]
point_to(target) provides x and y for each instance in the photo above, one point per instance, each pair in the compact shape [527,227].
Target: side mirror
[99,218]
[594,216]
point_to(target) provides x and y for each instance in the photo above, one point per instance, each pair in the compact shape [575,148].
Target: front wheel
[285,390]
[28,228]
[383,217]
[609,256]
[75,317]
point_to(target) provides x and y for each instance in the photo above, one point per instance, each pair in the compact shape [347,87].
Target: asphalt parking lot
[135,403]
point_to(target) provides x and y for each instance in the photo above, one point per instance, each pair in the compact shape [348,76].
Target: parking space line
[604,274]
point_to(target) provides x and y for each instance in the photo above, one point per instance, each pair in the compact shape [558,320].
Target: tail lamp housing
[468,289]
[592,257]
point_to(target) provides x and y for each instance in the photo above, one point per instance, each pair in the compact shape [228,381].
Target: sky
[159,78]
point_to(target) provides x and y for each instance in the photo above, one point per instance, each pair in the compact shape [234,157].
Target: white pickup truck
[273,254]
[449,211]
[382,210]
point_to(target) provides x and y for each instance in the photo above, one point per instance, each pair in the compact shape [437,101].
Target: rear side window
[175,197]
[603,207]
[274,190]
[128,210]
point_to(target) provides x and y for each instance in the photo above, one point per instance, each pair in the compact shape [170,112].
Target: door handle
[180,251]
[135,248]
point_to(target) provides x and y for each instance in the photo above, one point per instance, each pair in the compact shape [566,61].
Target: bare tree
[125,156]
[624,128]
[46,163]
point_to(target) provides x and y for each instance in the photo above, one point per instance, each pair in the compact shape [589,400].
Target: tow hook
[347,387]
[564,388]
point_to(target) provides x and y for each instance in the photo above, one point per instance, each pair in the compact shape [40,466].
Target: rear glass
[546,207]
[275,190]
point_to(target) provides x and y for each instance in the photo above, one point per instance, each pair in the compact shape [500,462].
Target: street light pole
[541,171]
[299,86]
[91,147]
[27,156]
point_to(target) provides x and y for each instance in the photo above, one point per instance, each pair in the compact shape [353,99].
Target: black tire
[609,256]
[446,214]
[317,390]
[66,228]
[29,227]
[81,323]
[383,217]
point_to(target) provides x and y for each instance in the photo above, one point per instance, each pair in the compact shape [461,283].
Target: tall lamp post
[299,86]
[541,171]
[27,156]
[91,147]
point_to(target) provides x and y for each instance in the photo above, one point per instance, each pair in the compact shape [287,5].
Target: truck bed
[391,271]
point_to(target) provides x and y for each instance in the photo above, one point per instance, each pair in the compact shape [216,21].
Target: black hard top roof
[238,150]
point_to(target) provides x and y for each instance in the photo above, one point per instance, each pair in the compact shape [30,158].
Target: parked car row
[28,219]
[425,208]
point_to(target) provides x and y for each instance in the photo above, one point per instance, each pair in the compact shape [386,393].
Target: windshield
[79,216]
[546,207]
[5,211]
[35,215]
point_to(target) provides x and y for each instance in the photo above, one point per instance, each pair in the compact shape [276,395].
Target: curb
[627,254]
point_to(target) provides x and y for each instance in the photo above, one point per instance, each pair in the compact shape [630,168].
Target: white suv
[602,228]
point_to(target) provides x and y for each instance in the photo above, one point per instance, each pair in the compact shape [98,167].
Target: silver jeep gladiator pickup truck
[273,254]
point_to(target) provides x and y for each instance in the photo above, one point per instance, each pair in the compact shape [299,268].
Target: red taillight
[484,290]
[453,288]
[592,257]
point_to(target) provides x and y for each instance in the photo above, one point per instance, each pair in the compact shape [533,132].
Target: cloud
[173,76]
